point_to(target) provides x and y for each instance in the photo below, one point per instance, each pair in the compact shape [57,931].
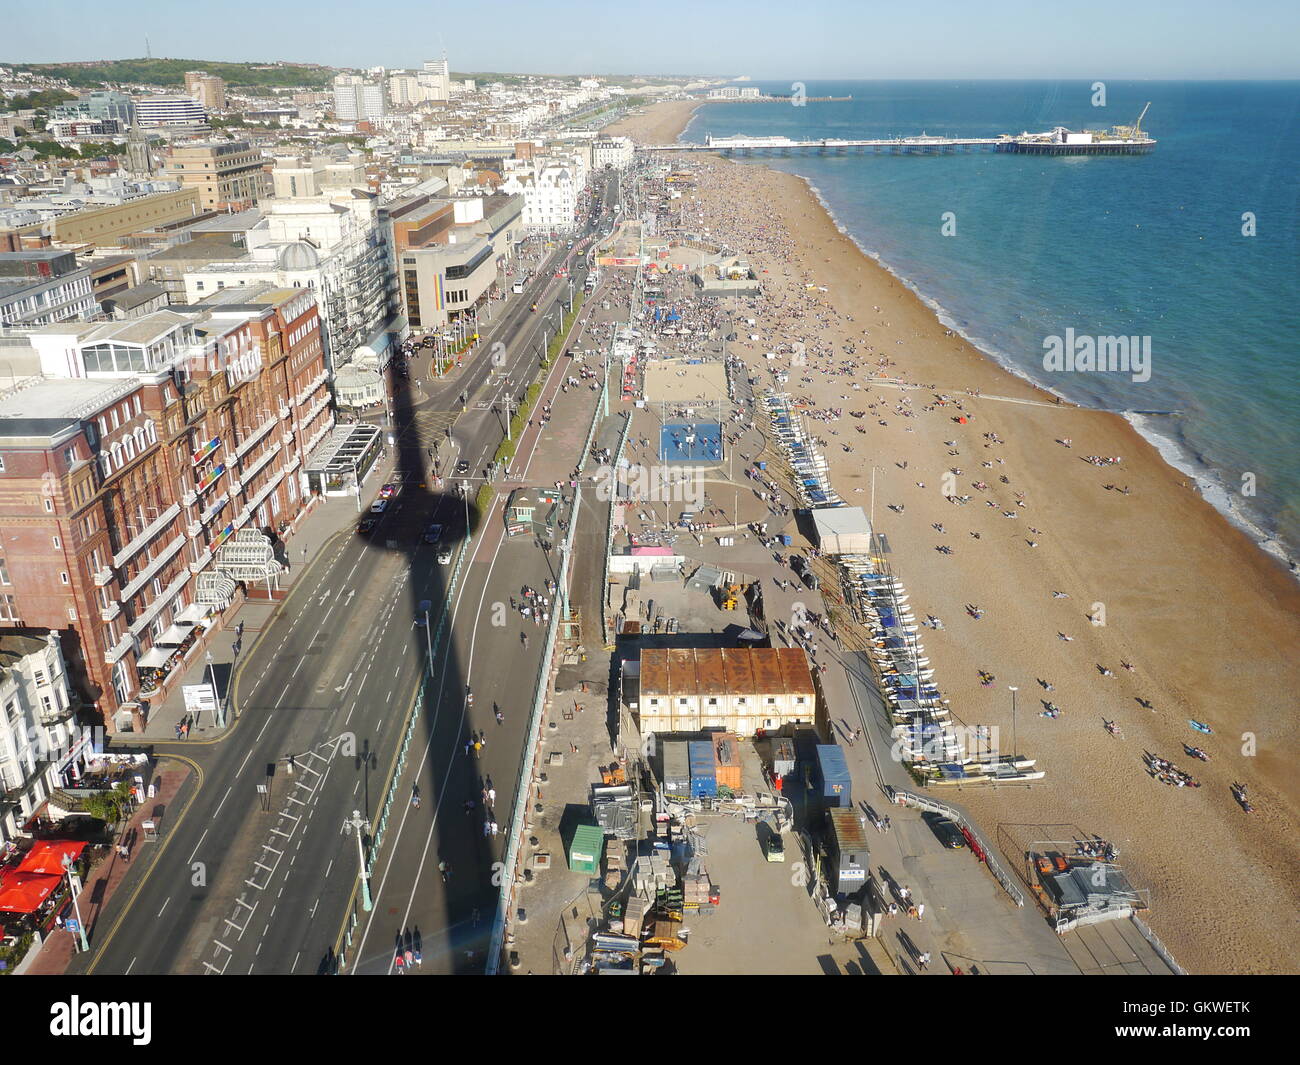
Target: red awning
[47,856]
[25,892]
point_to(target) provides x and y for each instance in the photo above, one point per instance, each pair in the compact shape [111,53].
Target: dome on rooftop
[298,256]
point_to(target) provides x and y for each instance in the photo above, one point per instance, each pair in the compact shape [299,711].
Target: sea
[1192,249]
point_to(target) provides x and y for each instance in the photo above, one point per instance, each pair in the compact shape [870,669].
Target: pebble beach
[1112,590]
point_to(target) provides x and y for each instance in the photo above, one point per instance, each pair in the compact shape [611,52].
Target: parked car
[774,848]
[433,533]
[947,833]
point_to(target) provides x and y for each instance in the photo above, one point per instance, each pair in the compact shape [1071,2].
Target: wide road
[258,874]
[452,917]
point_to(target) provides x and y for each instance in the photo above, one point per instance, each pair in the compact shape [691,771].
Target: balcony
[155,564]
[115,653]
[259,464]
[193,529]
[54,717]
[287,438]
[190,498]
[214,508]
[108,613]
[103,576]
[284,412]
[146,534]
[254,437]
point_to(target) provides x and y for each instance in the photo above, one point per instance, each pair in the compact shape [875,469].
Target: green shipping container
[586,850]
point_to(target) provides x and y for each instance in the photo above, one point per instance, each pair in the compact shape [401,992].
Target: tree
[109,806]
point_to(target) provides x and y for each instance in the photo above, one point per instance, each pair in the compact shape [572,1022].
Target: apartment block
[228,175]
[208,89]
[148,475]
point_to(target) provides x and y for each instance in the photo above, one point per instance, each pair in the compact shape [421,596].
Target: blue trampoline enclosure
[690,442]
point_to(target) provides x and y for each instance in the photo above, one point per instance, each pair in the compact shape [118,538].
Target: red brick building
[147,476]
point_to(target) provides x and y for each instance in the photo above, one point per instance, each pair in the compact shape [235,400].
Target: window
[8,608]
[57,542]
[681,702]
[38,676]
[4,572]
[2,465]
[157,590]
[654,702]
[72,613]
[799,700]
[137,404]
[63,577]
[49,505]
[713,702]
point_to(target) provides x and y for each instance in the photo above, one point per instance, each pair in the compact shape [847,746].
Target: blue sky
[808,39]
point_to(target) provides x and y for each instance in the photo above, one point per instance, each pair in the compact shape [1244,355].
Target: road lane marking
[221,803]
[164,906]
[197,846]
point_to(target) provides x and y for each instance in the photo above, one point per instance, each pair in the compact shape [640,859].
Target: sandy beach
[1199,623]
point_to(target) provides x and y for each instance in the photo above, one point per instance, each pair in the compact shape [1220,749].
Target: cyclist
[415,795]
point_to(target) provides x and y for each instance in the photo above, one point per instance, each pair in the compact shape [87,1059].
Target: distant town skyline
[764,39]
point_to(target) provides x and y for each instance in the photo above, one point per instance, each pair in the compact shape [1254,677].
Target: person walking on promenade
[924,961]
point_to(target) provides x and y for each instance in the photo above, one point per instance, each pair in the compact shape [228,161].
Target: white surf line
[406,810]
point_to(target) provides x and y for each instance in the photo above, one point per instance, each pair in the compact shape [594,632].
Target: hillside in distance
[170,73]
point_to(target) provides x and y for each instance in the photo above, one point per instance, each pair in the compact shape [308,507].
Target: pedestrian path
[59,952]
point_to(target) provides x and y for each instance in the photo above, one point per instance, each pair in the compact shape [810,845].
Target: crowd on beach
[845,376]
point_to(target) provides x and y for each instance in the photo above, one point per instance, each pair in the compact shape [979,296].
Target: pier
[1120,140]
[921,145]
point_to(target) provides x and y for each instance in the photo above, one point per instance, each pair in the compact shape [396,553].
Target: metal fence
[1157,946]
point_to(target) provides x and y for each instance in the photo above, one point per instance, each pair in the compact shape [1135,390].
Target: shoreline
[1192,602]
[671,119]
[1209,485]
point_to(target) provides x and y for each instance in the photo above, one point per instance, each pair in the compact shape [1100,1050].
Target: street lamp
[464,494]
[1014,747]
[74,887]
[358,824]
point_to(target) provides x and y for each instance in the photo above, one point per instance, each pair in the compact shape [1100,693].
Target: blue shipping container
[704,778]
[833,778]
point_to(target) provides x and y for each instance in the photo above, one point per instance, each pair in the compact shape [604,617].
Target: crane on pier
[1134,132]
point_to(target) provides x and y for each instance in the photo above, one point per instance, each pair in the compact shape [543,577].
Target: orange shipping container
[726,760]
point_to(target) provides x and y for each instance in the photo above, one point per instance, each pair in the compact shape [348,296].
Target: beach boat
[1201,727]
